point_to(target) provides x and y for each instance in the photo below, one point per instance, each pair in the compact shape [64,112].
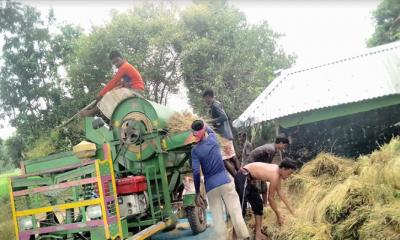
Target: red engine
[132,184]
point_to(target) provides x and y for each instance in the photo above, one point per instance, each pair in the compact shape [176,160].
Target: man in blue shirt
[220,189]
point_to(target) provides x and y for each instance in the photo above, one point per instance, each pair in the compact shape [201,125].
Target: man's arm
[114,81]
[222,117]
[283,198]
[271,199]
[196,178]
[196,172]
[209,130]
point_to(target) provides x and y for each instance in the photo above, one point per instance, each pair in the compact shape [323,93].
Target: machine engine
[132,197]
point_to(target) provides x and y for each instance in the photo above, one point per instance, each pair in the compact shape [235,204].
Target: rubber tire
[192,214]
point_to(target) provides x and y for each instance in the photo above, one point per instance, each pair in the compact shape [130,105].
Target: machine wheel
[197,218]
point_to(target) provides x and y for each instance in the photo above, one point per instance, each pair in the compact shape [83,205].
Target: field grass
[6,223]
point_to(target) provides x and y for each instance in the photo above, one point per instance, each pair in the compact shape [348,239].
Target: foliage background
[48,71]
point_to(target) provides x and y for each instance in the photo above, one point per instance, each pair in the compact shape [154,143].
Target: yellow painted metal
[114,187]
[13,209]
[98,201]
[164,144]
[148,232]
[101,193]
[57,207]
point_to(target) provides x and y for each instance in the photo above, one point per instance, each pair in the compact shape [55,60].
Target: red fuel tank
[129,185]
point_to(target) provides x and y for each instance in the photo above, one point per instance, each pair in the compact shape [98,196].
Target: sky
[316,31]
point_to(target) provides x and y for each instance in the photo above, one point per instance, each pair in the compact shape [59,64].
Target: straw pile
[181,122]
[338,198]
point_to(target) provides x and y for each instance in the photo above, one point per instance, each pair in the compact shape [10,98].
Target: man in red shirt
[127,76]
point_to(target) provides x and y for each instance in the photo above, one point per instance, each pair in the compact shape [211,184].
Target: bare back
[263,171]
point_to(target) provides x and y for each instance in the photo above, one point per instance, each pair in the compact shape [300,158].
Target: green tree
[387,23]
[13,148]
[146,36]
[10,15]
[32,89]
[3,156]
[5,162]
[222,52]
[32,59]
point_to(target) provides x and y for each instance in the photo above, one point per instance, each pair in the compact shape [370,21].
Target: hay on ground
[383,223]
[337,198]
[328,168]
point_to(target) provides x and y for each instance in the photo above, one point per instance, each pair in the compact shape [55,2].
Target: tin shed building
[348,107]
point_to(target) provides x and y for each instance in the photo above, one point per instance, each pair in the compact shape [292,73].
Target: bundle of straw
[328,168]
[336,198]
[181,122]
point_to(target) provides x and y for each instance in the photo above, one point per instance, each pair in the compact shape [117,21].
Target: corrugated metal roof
[372,74]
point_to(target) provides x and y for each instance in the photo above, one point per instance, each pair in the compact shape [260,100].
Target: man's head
[208,96]
[286,168]
[281,143]
[199,129]
[116,58]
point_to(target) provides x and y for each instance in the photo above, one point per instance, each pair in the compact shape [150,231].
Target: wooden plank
[93,103]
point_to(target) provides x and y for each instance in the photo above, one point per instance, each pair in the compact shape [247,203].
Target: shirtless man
[265,153]
[248,192]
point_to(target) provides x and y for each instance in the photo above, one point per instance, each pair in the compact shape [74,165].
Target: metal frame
[104,175]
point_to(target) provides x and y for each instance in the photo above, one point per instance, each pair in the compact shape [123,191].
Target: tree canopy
[146,36]
[221,51]
[387,23]
[54,70]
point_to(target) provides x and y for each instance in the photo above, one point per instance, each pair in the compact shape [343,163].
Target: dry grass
[182,122]
[336,198]
[328,168]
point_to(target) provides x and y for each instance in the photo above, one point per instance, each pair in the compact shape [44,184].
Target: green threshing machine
[123,182]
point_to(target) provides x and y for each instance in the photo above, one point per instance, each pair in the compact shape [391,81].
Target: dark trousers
[248,193]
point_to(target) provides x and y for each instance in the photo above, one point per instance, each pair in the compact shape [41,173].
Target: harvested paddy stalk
[181,122]
[337,198]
